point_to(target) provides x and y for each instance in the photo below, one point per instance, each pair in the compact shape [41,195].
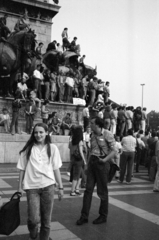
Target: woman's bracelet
[60,188]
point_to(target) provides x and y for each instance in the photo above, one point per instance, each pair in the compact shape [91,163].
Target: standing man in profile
[102,150]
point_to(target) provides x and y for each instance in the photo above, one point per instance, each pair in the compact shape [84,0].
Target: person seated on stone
[99,103]
[59,48]
[66,124]
[22,24]
[54,124]
[33,97]
[51,46]
[65,42]
[5,119]
[37,78]
[22,87]
[73,45]
[38,50]
[4,30]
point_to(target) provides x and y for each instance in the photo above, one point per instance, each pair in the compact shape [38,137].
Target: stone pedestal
[40,15]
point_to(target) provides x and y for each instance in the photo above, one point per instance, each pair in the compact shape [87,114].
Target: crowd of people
[110,134]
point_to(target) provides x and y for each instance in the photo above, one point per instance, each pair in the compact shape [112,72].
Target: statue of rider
[22,23]
[4,30]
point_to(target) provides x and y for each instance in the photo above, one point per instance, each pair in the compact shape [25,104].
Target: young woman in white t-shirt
[39,165]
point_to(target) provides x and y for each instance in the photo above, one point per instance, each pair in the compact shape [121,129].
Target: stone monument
[40,14]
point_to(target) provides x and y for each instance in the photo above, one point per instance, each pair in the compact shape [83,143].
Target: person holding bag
[77,159]
[98,170]
[39,165]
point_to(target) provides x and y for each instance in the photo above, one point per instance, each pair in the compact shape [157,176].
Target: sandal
[77,192]
[73,194]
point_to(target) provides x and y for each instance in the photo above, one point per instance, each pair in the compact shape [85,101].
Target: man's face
[93,125]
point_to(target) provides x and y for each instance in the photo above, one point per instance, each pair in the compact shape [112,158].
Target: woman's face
[40,134]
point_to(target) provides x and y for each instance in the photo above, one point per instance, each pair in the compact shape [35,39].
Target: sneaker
[72,194]
[119,181]
[81,221]
[128,182]
[77,192]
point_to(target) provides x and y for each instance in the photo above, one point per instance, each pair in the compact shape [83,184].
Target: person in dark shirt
[16,105]
[51,46]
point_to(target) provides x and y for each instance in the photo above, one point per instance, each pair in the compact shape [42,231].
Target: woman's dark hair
[130,132]
[28,146]
[77,135]
[99,122]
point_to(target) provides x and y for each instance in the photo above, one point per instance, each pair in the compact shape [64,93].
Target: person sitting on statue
[4,30]
[66,124]
[59,48]
[38,50]
[22,24]
[65,42]
[51,46]
[5,119]
[33,97]
[22,87]
[54,124]
[73,45]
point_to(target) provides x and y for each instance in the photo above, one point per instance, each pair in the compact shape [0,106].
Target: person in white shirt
[127,157]
[22,88]
[5,119]
[117,155]
[38,77]
[39,165]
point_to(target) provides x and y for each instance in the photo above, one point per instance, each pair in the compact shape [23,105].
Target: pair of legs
[76,173]
[14,124]
[40,206]
[126,161]
[97,173]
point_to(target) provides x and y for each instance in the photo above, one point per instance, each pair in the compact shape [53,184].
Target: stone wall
[11,145]
[60,108]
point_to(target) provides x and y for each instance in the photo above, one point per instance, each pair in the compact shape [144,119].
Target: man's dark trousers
[97,172]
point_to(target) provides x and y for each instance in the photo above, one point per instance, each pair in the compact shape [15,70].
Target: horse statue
[54,59]
[15,51]
[87,70]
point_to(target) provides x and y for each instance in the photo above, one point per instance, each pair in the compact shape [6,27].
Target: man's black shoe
[81,221]
[99,220]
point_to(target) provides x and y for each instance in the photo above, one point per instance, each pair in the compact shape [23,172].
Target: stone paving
[133,212]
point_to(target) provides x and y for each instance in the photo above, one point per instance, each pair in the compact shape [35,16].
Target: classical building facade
[40,14]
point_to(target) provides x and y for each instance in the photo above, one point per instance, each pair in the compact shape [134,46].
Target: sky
[121,37]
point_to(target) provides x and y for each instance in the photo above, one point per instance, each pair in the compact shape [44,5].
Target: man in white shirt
[127,157]
[37,80]
[22,88]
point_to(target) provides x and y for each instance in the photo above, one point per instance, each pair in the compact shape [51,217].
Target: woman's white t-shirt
[39,168]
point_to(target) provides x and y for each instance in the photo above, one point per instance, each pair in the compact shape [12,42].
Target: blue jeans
[40,205]
[126,160]
[97,173]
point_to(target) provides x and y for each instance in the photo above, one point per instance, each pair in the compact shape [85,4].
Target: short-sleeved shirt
[106,141]
[39,168]
[22,87]
[128,144]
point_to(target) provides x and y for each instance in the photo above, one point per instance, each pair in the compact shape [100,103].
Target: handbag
[10,215]
[77,154]
[113,166]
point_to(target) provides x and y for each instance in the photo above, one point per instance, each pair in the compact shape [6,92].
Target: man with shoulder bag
[102,151]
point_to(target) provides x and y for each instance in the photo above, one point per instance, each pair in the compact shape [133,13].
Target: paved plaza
[133,212]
